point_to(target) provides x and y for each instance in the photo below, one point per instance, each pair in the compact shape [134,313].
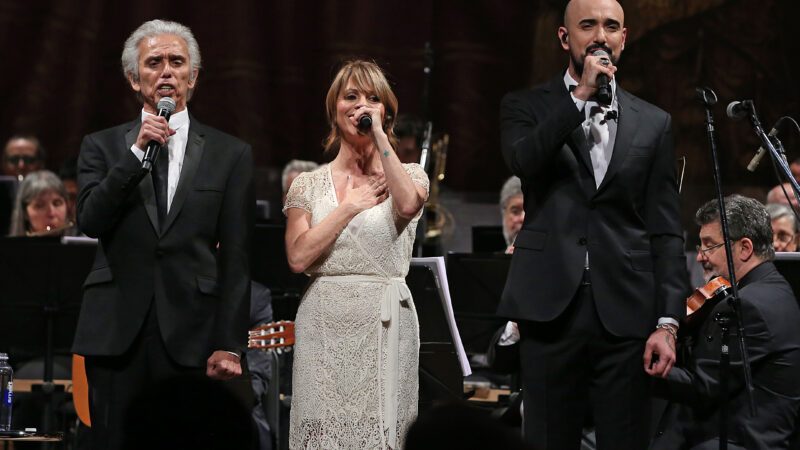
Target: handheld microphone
[761,150]
[603,88]
[739,110]
[364,123]
[165,108]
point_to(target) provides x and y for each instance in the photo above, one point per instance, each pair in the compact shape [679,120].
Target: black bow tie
[609,115]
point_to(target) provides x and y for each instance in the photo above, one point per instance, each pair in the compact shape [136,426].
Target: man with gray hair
[511,206]
[162,300]
[785,230]
[291,170]
[770,315]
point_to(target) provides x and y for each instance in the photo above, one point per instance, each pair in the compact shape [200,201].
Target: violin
[702,301]
[714,287]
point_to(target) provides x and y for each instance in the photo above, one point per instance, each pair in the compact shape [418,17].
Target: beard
[578,60]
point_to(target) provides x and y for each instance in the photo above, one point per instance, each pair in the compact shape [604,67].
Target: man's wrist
[671,329]
[669,320]
[233,353]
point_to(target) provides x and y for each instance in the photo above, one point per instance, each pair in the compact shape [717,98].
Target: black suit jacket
[630,224]
[771,318]
[201,294]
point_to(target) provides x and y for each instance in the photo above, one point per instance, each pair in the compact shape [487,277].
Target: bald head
[575,7]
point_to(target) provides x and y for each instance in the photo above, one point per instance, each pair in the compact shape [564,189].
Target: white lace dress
[355,382]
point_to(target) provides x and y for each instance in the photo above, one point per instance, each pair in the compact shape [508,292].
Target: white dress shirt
[596,128]
[602,138]
[177,149]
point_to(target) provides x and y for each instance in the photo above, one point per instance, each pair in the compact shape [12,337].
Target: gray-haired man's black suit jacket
[630,224]
[201,293]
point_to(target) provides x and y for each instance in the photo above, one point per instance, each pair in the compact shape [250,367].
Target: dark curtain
[267,66]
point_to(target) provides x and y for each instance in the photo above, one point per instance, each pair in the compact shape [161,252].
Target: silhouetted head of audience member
[409,130]
[785,231]
[69,176]
[511,206]
[40,207]
[291,170]
[463,427]
[22,155]
[191,412]
[776,195]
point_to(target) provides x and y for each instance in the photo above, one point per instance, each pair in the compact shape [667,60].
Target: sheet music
[441,280]
[78,240]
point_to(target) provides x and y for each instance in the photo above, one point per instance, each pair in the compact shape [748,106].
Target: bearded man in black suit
[598,275]
[770,316]
[161,299]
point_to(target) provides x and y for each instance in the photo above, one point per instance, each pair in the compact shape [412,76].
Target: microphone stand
[777,156]
[709,99]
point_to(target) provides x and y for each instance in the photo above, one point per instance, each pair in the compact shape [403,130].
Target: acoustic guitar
[272,337]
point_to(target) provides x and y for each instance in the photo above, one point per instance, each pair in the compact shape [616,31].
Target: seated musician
[503,354]
[511,202]
[770,316]
[41,207]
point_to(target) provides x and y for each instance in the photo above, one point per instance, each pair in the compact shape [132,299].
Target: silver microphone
[761,151]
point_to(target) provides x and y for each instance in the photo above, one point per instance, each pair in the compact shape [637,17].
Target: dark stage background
[267,66]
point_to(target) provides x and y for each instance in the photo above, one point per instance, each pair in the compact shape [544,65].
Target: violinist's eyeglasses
[707,249]
[783,237]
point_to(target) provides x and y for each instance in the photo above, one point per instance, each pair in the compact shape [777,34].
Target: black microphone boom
[165,108]
[739,110]
[603,87]
[365,122]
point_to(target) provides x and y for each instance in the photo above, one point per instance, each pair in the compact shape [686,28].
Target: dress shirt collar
[569,81]
[176,121]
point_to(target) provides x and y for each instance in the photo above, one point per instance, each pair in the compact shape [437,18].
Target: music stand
[476,286]
[8,193]
[788,264]
[488,239]
[440,377]
[270,267]
[42,281]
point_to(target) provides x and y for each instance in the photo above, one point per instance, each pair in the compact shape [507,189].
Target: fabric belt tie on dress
[395,292]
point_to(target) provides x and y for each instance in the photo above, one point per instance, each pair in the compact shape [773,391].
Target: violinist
[770,316]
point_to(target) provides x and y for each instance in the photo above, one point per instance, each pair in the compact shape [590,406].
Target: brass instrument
[440,221]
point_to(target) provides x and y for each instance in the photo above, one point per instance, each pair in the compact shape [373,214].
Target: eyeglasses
[705,251]
[783,237]
[15,159]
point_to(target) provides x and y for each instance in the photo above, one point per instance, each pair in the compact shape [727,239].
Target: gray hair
[511,188]
[778,210]
[747,218]
[295,165]
[33,185]
[130,51]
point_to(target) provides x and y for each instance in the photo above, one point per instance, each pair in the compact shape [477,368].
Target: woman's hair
[33,185]
[369,78]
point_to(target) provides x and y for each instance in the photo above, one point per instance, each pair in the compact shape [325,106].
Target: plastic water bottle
[7,390]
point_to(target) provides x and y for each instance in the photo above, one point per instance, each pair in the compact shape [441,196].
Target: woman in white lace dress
[351,227]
